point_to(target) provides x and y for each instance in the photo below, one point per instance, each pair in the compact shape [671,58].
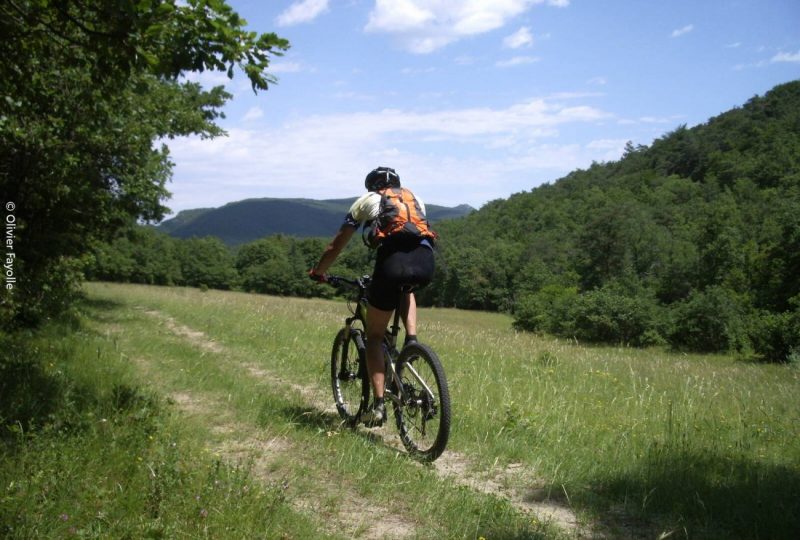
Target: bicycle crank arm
[391,396]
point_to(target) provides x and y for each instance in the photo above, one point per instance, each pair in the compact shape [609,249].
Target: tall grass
[87,451]
[349,474]
[699,444]
[638,442]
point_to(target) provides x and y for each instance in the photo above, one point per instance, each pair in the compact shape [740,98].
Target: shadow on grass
[38,384]
[316,420]
[700,494]
[101,304]
[100,310]
[29,394]
[311,418]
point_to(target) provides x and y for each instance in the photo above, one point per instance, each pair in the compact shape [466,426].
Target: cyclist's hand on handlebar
[319,278]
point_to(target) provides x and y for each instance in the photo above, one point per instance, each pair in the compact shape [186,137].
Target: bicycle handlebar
[360,283]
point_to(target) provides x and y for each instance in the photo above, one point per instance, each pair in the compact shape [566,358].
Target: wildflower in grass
[203,513]
[64,517]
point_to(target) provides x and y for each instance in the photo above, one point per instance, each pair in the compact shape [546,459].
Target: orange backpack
[399,216]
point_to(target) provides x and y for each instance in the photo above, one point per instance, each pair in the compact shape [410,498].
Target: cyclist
[404,256]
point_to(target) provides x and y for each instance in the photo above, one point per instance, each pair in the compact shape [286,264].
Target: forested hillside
[693,241]
[244,221]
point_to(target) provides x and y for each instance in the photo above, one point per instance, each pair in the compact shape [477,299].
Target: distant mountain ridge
[247,220]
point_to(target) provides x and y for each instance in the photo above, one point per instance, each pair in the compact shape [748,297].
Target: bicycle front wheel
[423,413]
[349,380]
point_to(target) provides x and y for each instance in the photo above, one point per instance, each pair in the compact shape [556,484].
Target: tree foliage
[272,265]
[691,241]
[86,89]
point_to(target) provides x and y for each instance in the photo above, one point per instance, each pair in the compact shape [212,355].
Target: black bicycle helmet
[380,178]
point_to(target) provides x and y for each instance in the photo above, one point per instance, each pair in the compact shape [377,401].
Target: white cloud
[424,26]
[681,31]
[597,81]
[398,16]
[520,38]
[610,149]
[302,12]
[254,113]
[482,147]
[516,61]
[752,65]
[786,57]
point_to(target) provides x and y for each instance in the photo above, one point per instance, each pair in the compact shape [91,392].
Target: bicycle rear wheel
[349,379]
[423,416]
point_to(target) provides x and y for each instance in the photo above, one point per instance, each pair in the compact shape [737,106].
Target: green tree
[140,255]
[693,239]
[86,89]
[207,262]
[712,320]
[279,265]
[266,267]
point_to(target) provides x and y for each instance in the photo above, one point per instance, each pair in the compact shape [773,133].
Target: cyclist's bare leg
[377,321]
[408,312]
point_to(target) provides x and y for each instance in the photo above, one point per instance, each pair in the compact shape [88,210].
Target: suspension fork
[361,348]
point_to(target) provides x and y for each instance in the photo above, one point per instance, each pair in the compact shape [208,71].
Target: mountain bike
[415,381]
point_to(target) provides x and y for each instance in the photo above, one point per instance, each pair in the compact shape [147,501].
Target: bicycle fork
[361,350]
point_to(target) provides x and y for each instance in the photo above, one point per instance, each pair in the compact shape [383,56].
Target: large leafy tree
[87,88]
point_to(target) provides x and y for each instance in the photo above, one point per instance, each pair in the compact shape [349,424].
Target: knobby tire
[349,380]
[423,423]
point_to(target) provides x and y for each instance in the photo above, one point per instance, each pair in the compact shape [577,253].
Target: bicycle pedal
[375,416]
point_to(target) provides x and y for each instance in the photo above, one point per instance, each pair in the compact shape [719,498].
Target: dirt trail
[450,466]
[263,452]
[195,337]
[499,482]
[242,445]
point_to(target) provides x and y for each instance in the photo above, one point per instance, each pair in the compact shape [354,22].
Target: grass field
[165,412]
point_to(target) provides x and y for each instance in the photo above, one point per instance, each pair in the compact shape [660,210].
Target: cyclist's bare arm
[334,248]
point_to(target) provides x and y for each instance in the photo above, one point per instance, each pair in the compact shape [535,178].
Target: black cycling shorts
[396,266]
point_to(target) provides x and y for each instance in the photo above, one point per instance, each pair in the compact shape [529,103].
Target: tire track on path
[453,466]
[244,446]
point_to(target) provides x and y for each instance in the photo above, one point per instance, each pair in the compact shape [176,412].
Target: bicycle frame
[414,383]
[390,351]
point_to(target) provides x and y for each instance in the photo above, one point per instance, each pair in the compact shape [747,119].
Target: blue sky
[473,100]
